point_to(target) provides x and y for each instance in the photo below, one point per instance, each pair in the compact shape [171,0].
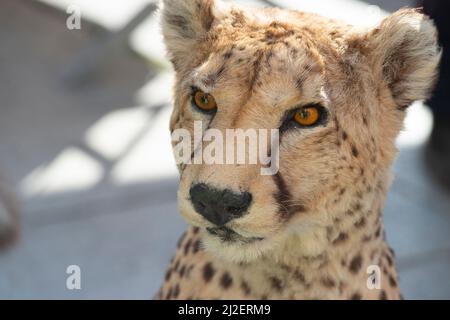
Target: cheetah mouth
[227,235]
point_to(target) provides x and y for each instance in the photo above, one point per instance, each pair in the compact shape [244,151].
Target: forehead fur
[260,34]
[270,57]
[277,71]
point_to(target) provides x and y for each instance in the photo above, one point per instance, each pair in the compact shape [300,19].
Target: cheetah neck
[346,246]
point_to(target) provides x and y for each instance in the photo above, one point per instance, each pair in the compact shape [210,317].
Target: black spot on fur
[355,151]
[299,276]
[228,54]
[187,246]
[276,284]
[357,206]
[182,271]
[342,237]
[168,274]
[226,281]
[389,260]
[177,264]
[328,282]
[176,291]
[378,232]
[390,249]
[356,264]
[197,246]
[169,294]
[180,241]
[365,121]
[245,288]
[208,272]
[356,296]
[392,281]
[349,213]
[361,223]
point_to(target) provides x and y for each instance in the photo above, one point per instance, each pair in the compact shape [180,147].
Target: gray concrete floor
[91,164]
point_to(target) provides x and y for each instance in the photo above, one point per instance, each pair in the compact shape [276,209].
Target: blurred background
[85,147]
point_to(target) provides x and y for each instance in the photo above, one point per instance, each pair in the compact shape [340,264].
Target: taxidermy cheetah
[338,94]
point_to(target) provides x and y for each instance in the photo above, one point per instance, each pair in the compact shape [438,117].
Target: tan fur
[326,227]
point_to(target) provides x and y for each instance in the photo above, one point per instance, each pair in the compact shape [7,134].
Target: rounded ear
[405,53]
[184,23]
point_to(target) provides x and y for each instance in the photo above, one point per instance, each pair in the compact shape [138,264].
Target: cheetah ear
[184,24]
[405,54]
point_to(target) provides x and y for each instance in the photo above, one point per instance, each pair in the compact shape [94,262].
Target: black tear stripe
[287,205]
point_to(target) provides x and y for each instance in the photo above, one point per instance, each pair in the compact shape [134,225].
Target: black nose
[219,206]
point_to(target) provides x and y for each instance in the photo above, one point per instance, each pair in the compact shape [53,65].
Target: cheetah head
[336,95]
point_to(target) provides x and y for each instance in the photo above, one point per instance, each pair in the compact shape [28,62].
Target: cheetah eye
[204,101]
[307,116]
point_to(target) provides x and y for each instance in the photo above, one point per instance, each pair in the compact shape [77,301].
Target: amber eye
[204,101]
[307,116]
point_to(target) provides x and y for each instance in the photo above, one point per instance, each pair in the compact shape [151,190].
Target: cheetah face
[336,97]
